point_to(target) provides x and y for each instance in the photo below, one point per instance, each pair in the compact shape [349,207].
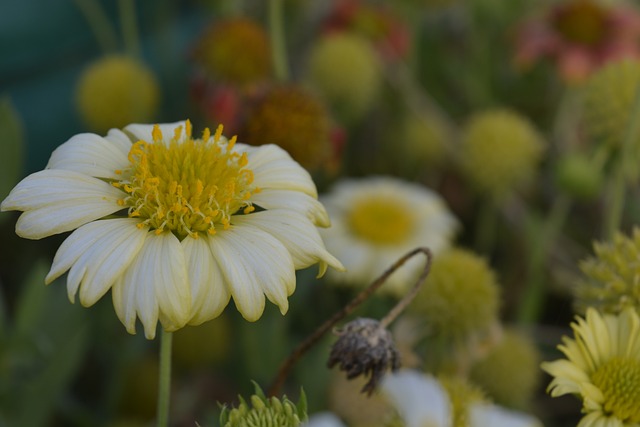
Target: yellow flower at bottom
[379,219]
[602,367]
[174,225]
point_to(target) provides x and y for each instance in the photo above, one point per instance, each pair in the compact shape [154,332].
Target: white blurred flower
[324,419]
[421,401]
[377,220]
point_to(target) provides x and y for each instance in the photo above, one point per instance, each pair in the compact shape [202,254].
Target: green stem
[127,10]
[533,297]
[486,226]
[278,45]
[99,24]
[164,385]
[623,168]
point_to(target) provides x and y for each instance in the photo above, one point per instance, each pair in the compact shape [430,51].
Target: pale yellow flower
[174,225]
[602,368]
[377,220]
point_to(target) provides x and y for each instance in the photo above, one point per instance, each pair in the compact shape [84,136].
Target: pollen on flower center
[184,185]
[380,221]
[619,381]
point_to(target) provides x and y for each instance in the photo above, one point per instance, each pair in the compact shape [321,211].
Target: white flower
[324,419]
[377,220]
[484,414]
[422,401]
[419,399]
[174,226]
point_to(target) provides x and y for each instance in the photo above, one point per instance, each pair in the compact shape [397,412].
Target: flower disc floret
[186,186]
[619,380]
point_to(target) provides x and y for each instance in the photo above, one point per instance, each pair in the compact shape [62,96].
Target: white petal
[143,132]
[209,294]
[89,246]
[172,282]
[419,398]
[120,140]
[273,168]
[483,415]
[324,419]
[254,262]
[56,201]
[155,285]
[296,233]
[294,201]
[100,265]
[89,154]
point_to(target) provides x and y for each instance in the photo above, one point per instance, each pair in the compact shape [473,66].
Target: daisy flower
[174,225]
[377,220]
[602,368]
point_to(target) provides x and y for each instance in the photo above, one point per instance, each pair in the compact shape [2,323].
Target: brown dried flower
[364,347]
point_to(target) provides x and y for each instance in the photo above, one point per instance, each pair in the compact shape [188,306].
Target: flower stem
[311,340]
[543,237]
[278,45]
[164,385]
[99,24]
[485,237]
[623,169]
[129,24]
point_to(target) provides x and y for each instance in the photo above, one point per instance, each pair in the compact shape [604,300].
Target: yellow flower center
[380,221]
[185,185]
[619,381]
[582,22]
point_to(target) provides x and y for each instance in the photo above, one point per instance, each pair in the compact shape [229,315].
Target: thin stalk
[99,23]
[278,45]
[623,168]
[533,296]
[164,385]
[486,226]
[311,340]
[129,23]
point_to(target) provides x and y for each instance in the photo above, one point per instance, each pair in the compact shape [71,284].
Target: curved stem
[406,300]
[278,45]
[164,385]
[311,340]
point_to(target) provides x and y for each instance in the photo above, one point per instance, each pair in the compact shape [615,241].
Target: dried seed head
[365,348]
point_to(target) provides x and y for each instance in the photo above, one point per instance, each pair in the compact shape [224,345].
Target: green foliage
[41,349]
